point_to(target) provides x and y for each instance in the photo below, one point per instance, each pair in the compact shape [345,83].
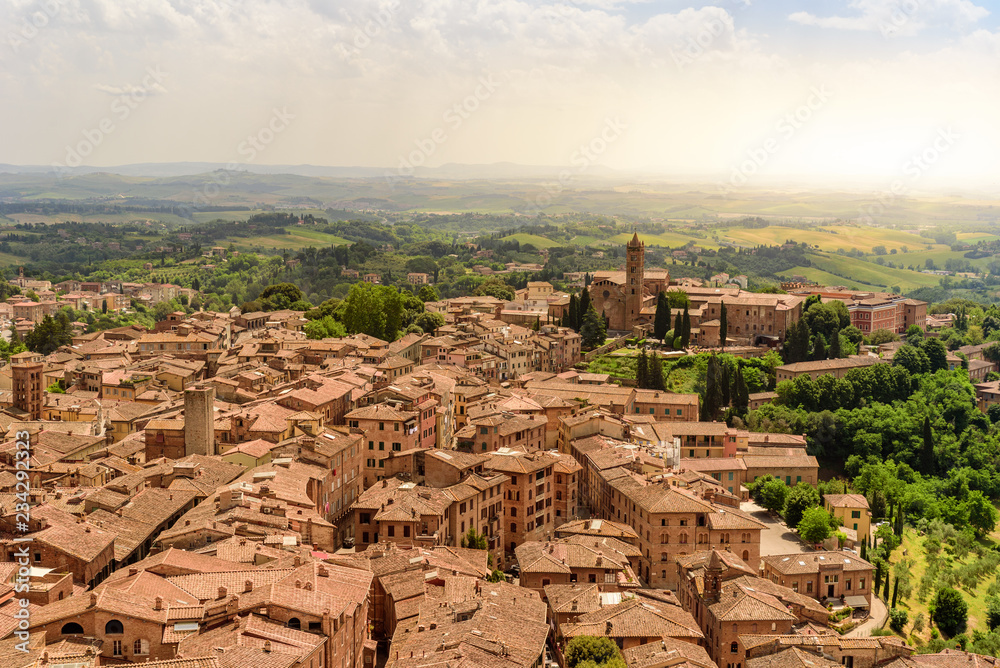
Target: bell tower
[634,271]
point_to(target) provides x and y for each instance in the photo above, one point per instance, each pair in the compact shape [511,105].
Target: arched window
[71,629]
[684,539]
[663,556]
[294,623]
[114,627]
[664,538]
[734,648]
[746,555]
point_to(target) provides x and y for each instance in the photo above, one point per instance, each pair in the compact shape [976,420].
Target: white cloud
[367,79]
[898,17]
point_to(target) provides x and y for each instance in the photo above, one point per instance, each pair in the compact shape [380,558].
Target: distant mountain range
[499,170]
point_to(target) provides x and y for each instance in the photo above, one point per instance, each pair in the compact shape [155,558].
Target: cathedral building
[628,298]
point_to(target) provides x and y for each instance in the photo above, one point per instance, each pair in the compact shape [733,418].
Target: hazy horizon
[859,93]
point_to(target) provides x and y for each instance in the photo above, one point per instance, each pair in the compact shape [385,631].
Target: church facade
[628,298]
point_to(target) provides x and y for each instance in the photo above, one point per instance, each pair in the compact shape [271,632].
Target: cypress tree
[574,313]
[878,577]
[727,385]
[661,322]
[584,303]
[895,591]
[679,325]
[927,453]
[655,373]
[834,351]
[819,348]
[741,395]
[885,592]
[686,327]
[864,548]
[803,339]
[641,370]
[723,326]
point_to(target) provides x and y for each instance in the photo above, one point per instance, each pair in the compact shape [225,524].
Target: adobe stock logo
[126,101]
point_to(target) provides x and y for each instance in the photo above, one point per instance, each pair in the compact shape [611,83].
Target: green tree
[801,498]
[495,287]
[573,314]
[279,296]
[325,328]
[661,321]
[600,651]
[982,513]
[593,330]
[819,347]
[655,373]
[50,334]
[428,321]
[685,327]
[834,350]
[723,325]
[814,527]
[912,359]
[898,619]
[428,293]
[712,401]
[741,395]
[937,355]
[950,611]
[641,370]
[678,324]
[474,540]
[772,495]
[993,612]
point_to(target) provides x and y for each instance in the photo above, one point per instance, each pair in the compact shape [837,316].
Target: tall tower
[199,420]
[634,271]
[26,376]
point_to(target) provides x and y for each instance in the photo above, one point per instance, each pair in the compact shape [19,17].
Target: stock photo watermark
[31,25]
[899,15]
[376,25]
[913,169]
[248,150]
[582,159]
[785,128]
[453,118]
[125,102]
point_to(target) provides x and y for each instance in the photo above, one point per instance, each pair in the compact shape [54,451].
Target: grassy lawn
[825,278]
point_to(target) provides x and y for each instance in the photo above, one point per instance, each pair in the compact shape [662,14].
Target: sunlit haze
[836,93]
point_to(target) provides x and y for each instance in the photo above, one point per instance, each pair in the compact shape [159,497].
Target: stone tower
[634,271]
[27,379]
[199,420]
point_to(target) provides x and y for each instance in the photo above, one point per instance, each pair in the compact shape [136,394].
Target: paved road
[776,538]
[875,621]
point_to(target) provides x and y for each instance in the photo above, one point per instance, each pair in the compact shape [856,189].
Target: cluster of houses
[222,491]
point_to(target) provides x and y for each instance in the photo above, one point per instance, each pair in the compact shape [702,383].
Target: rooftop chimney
[158,603]
[222,592]
[248,585]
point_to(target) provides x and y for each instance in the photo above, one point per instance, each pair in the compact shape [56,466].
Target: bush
[898,619]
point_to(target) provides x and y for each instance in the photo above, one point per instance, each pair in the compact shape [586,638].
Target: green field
[113,218]
[824,278]
[294,241]
[829,238]
[533,239]
[666,239]
[849,269]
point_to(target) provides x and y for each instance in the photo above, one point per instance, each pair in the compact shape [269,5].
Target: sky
[867,92]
